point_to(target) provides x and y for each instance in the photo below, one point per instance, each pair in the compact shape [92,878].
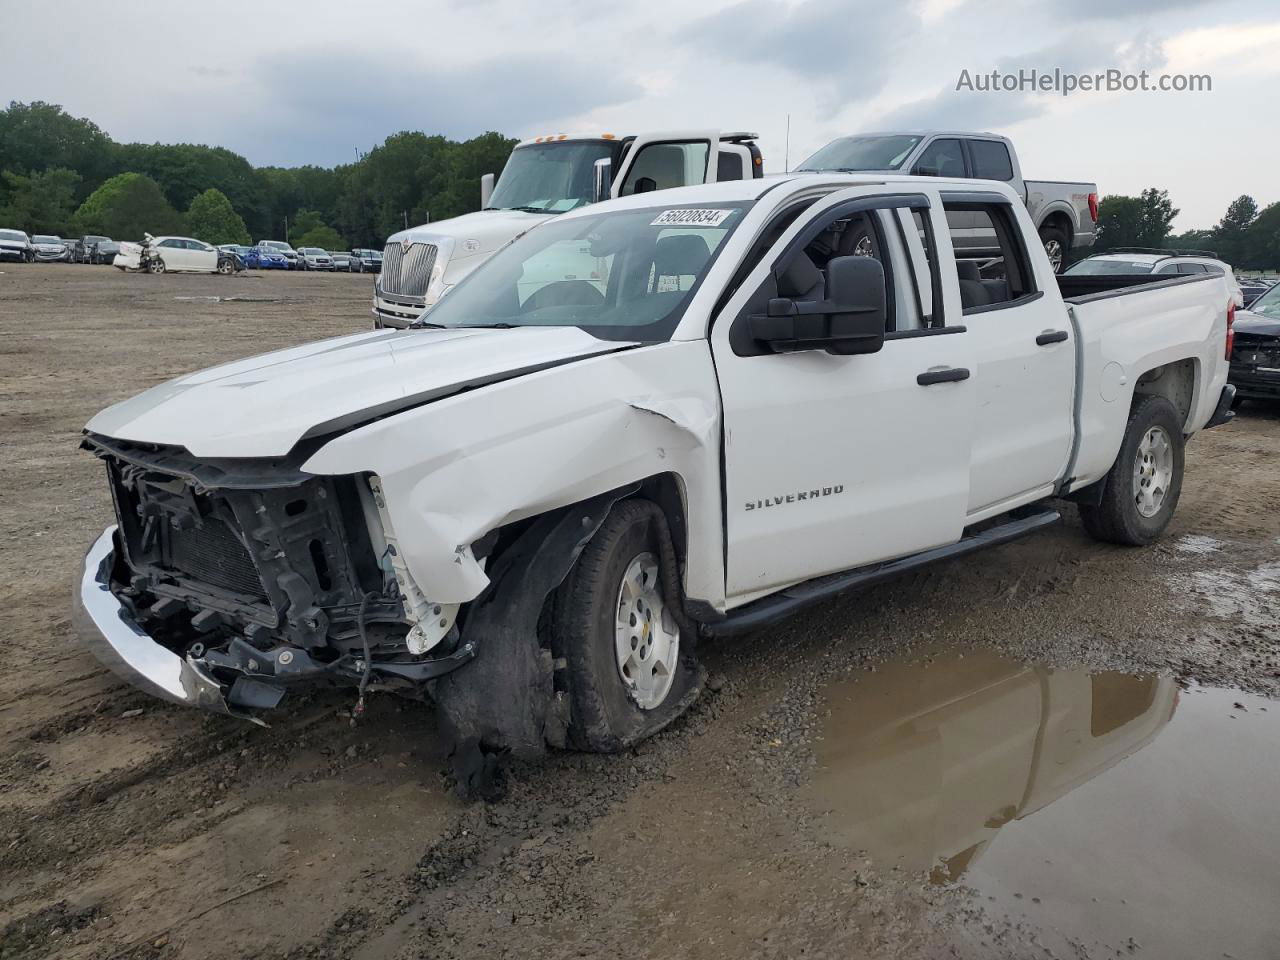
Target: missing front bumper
[110,632]
[108,628]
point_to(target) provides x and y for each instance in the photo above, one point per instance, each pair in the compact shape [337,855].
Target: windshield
[96,239]
[551,177]
[12,235]
[41,238]
[862,153]
[619,275]
[1096,266]
[1268,305]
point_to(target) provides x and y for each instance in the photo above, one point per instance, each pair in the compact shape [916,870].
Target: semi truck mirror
[486,190]
[603,183]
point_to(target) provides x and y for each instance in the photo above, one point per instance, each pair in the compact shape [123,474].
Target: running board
[784,603]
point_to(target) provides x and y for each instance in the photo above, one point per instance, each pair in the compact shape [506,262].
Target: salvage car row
[186,254]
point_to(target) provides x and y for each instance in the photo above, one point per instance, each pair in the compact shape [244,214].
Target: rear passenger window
[1001,275]
[990,160]
[1191,268]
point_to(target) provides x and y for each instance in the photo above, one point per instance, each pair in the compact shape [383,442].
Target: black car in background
[1255,359]
[1253,287]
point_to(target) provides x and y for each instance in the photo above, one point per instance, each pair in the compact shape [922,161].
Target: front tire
[1056,244]
[156,266]
[226,267]
[631,667]
[1142,488]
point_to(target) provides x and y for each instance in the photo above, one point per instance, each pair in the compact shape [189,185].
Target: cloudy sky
[314,81]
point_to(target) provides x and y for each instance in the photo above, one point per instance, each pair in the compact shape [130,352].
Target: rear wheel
[1142,488]
[1055,246]
[631,668]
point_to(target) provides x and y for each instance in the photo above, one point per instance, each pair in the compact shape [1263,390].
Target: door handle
[946,375]
[1051,336]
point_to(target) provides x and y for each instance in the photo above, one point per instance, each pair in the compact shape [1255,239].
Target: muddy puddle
[1106,812]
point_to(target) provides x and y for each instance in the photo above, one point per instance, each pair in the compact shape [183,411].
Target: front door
[833,462]
[666,160]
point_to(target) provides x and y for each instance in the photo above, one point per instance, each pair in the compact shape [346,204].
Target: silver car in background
[314,258]
[50,249]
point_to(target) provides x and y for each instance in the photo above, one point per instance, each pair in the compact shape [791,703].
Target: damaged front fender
[462,466]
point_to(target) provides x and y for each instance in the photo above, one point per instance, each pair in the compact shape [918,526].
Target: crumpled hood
[262,406]
[1256,324]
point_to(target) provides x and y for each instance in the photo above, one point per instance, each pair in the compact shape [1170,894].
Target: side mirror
[646,185]
[850,321]
[486,189]
[603,183]
[924,170]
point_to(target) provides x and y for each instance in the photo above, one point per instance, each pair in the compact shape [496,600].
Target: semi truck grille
[210,553]
[407,272]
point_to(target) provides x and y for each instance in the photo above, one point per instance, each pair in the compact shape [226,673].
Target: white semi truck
[545,177]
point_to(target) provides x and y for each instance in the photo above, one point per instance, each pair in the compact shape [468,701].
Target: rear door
[661,161]
[1025,349]
[832,462]
[173,253]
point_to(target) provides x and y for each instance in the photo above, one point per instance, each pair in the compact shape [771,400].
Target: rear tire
[631,668]
[1142,487]
[1056,247]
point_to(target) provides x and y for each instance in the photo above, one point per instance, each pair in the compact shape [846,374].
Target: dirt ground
[132,829]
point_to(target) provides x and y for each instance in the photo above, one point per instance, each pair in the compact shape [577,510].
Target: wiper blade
[527,209]
[424,325]
[489,326]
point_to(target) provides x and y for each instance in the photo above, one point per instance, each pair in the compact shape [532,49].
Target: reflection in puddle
[1067,797]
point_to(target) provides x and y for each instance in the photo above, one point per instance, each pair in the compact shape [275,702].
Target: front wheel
[155,266]
[226,267]
[631,667]
[1055,247]
[1142,488]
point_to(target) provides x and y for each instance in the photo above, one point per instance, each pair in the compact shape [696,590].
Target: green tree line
[64,175]
[1245,237]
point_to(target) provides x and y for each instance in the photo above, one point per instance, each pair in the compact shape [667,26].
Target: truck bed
[1118,319]
[1084,288]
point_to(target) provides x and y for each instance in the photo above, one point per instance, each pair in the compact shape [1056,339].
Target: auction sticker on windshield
[691,217]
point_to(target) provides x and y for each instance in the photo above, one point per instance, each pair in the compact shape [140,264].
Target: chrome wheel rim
[1054,251]
[646,638]
[1152,471]
[863,248]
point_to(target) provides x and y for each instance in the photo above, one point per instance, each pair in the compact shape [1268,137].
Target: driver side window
[661,166]
[942,158]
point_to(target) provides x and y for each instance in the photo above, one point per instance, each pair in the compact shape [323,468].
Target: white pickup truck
[530,506]
[543,178]
[1065,213]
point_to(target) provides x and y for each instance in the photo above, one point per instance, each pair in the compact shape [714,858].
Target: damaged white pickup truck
[657,418]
